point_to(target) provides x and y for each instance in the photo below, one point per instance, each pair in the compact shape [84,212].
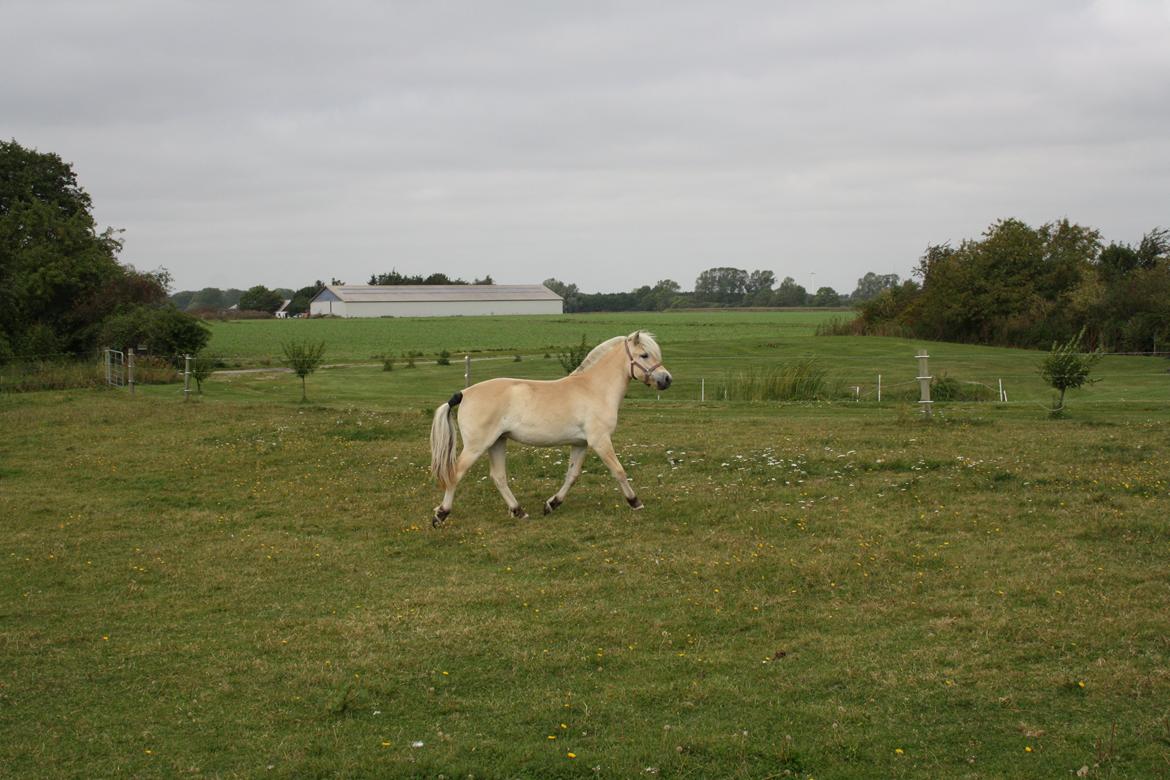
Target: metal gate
[115,368]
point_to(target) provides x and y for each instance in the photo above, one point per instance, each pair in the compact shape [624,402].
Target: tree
[1067,367]
[486,280]
[721,285]
[164,331]
[789,293]
[568,292]
[871,285]
[303,357]
[260,298]
[202,366]
[299,300]
[59,277]
[573,355]
[826,296]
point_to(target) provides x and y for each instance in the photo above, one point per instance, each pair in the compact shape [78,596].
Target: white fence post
[467,370]
[702,390]
[1001,395]
[186,378]
[130,368]
[879,390]
[924,383]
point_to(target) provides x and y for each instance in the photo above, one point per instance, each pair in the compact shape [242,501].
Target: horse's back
[529,410]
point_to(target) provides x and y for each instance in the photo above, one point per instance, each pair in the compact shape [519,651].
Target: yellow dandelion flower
[1027,748]
[898,751]
[571,755]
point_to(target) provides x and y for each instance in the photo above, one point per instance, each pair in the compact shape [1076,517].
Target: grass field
[248,586]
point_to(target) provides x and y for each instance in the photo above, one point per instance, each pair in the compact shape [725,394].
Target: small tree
[573,356]
[303,357]
[1067,368]
[201,368]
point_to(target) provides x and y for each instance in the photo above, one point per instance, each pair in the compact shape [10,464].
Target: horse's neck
[609,375]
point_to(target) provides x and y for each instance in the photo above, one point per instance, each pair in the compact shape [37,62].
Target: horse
[580,410]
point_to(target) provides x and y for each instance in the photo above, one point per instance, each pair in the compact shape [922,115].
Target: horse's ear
[637,337]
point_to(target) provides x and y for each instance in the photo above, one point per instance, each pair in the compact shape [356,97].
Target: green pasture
[247,586]
[251,342]
[702,349]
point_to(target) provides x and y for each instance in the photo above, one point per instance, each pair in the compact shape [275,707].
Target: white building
[434,300]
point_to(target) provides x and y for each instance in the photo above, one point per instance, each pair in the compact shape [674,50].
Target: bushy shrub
[165,331]
[572,356]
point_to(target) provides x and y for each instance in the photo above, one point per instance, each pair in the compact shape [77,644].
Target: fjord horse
[580,410]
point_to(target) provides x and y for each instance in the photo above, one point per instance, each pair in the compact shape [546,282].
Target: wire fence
[1003,377]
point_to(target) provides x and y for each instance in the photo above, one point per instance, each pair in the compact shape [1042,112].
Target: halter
[646,372]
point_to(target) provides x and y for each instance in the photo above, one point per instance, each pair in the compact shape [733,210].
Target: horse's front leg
[576,460]
[604,448]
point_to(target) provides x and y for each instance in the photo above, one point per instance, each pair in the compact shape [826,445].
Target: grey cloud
[611,144]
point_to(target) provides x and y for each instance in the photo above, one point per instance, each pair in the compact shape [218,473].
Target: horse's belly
[543,436]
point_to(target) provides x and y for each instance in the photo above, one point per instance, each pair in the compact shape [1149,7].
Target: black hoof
[635,503]
[440,515]
[519,513]
[551,505]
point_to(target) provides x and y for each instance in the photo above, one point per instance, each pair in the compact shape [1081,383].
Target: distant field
[245,585]
[250,341]
[703,349]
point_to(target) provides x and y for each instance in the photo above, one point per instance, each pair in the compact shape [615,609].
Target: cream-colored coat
[580,410]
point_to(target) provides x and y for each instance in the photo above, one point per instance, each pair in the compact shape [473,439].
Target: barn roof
[400,293]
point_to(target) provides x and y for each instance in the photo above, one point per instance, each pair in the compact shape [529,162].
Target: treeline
[62,290]
[1029,287]
[714,288]
[718,288]
[394,277]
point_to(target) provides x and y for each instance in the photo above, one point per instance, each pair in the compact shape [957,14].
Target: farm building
[434,300]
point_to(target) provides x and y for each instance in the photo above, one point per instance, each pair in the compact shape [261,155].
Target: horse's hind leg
[604,448]
[576,460]
[465,461]
[498,453]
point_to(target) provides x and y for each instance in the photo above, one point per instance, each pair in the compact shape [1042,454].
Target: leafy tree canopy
[260,298]
[1024,286]
[59,277]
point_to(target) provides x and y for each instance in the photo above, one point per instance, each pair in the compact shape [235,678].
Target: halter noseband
[646,372]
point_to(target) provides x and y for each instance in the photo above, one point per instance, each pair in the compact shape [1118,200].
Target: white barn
[434,300]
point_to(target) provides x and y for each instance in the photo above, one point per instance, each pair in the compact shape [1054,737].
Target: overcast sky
[609,144]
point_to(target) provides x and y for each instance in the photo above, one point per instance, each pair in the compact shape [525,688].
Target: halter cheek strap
[646,372]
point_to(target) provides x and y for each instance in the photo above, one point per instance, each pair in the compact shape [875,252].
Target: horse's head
[646,360]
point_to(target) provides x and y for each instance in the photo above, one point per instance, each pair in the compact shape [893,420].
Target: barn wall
[441,308]
[334,307]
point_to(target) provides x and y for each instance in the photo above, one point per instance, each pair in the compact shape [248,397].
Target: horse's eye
[645,356]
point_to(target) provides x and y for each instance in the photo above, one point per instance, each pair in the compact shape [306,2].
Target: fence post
[924,383]
[467,370]
[1001,399]
[186,378]
[130,368]
[879,392]
[702,390]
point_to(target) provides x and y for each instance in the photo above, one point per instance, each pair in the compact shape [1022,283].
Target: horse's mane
[596,353]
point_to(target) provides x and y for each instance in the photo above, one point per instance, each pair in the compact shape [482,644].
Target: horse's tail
[443,443]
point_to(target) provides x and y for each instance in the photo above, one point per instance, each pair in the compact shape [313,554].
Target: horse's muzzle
[663,381]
